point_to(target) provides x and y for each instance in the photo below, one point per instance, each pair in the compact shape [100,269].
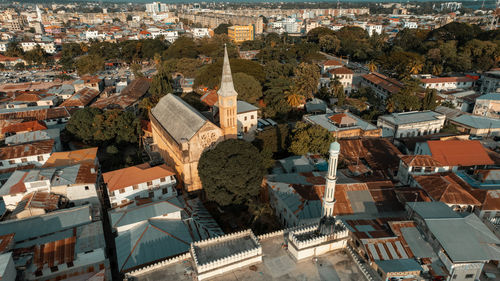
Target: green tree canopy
[89,64]
[247,87]
[315,34]
[307,138]
[183,47]
[222,28]
[306,79]
[231,173]
[210,75]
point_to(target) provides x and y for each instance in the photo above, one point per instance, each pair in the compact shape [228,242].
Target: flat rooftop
[212,252]
[277,264]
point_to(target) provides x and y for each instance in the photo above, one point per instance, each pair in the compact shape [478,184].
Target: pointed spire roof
[226,86]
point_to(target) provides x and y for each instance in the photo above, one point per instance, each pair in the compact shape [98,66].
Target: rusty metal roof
[420,161]
[25,150]
[447,188]
[81,98]
[54,253]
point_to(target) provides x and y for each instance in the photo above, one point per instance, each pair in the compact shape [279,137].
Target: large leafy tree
[430,99]
[247,87]
[222,28]
[210,75]
[231,173]
[329,44]
[89,64]
[307,138]
[306,79]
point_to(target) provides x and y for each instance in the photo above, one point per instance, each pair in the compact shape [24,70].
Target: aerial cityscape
[250,140]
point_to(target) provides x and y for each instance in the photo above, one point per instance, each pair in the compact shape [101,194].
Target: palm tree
[372,67]
[294,99]
[415,67]
[390,105]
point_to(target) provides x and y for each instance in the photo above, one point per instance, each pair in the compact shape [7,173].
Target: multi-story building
[49,48]
[382,85]
[141,181]
[488,105]
[490,81]
[447,83]
[35,153]
[156,7]
[344,75]
[373,29]
[200,32]
[240,33]
[411,124]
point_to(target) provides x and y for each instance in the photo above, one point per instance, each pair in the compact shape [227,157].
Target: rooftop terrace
[277,265]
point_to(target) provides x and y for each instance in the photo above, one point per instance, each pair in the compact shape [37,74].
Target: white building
[36,153]
[373,29]
[49,48]
[344,76]
[410,24]
[156,7]
[487,105]
[411,124]
[200,32]
[141,181]
[447,83]
[418,165]
[3,46]
[247,117]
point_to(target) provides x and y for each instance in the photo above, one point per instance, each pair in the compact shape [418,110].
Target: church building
[182,134]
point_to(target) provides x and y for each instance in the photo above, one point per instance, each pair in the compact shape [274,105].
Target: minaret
[38,14]
[331,180]
[227,101]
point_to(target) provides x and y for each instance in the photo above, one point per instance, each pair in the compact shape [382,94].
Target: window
[54,269]
[124,201]
[12,162]
[86,187]
[162,180]
[245,118]
[150,183]
[135,187]
[114,205]
[70,264]
[252,117]
[122,190]
[469,276]
[164,190]
[38,273]
[1,163]
[24,160]
[40,158]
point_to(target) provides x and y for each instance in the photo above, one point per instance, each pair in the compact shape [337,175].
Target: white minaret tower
[38,14]
[331,180]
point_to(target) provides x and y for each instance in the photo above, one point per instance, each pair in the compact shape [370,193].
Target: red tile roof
[81,98]
[332,63]
[420,161]
[342,119]
[29,126]
[391,85]
[25,150]
[459,152]
[447,188]
[135,175]
[73,157]
[446,80]
[341,70]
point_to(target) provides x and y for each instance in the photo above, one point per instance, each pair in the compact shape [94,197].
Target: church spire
[226,85]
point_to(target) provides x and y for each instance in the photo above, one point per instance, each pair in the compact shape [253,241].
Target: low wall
[159,265]
[229,267]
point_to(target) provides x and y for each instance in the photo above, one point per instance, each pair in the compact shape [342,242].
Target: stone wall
[159,265]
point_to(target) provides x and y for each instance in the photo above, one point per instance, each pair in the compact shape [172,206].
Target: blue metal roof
[46,224]
[490,96]
[150,241]
[477,122]
[399,265]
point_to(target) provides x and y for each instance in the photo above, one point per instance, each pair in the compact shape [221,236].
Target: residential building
[23,127]
[156,7]
[382,85]
[344,125]
[464,244]
[141,181]
[447,83]
[93,82]
[11,61]
[128,98]
[410,124]
[36,153]
[81,98]
[201,32]
[34,136]
[240,33]
[476,125]
[488,105]
[373,29]
[344,75]
[330,64]
[490,81]
[411,166]
[247,116]
[456,154]
[410,24]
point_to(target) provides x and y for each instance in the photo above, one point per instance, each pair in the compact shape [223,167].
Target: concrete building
[490,82]
[373,29]
[141,181]
[410,124]
[344,75]
[411,166]
[36,153]
[447,83]
[344,125]
[240,33]
[476,125]
[488,105]
[156,7]
[382,85]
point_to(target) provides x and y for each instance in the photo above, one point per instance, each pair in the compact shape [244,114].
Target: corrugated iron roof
[459,152]
[54,253]
[447,189]
[25,150]
[81,98]
[28,126]
[67,158]
[420,161]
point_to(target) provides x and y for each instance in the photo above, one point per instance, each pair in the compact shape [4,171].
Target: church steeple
[226,85]
[227,101]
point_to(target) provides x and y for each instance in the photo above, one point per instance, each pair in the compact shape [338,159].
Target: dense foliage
[231,173]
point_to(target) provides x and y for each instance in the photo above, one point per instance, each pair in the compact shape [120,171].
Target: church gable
[179,119]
